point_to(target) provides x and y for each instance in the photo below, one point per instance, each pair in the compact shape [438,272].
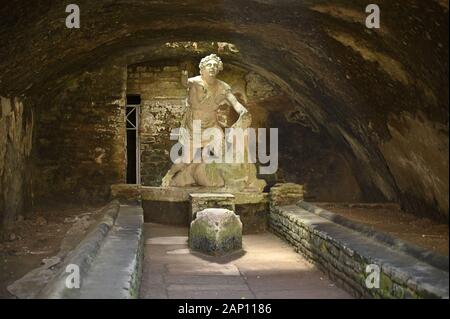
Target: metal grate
[132,112]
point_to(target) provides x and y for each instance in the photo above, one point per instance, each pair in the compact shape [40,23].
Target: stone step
[115,272]
[345,253]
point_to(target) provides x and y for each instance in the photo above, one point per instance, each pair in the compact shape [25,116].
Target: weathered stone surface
[125,192]
[254,217]
[80,142]
[16,136]
[286,194]
[344,253]
[201,201]
[173,206]
[162,104]
[182,194]
[120,258]
[29,285]
[216,231]
[167,212]
[258,87]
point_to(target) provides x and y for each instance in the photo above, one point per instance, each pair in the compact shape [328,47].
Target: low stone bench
[345,254]
[216,231]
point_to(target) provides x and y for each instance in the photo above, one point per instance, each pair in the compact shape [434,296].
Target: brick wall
[162,107]
[80,141]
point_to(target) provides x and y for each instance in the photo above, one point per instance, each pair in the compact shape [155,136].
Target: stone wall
[344,255]
[417,155]
[162,106]
[16,134]
[305,156]
[312,159]
[80,141]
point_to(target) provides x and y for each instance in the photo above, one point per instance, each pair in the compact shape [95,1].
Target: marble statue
[205,94]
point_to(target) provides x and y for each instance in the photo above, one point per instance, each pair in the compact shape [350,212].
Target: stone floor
[266,268]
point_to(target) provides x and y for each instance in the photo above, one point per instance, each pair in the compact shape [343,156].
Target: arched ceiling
[355,83]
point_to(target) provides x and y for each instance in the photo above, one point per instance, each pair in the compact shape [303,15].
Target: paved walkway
[267,268]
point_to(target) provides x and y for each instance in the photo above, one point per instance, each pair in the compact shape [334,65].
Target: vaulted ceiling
[381,93]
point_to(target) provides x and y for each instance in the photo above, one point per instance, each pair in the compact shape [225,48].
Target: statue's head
[210,65]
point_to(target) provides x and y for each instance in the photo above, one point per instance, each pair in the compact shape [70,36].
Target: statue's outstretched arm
[238,107]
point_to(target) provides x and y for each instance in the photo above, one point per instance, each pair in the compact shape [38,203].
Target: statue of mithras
[205,95]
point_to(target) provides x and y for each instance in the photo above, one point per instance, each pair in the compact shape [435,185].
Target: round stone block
[216,231]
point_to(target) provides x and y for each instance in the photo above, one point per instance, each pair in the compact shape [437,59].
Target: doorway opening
[132,112]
